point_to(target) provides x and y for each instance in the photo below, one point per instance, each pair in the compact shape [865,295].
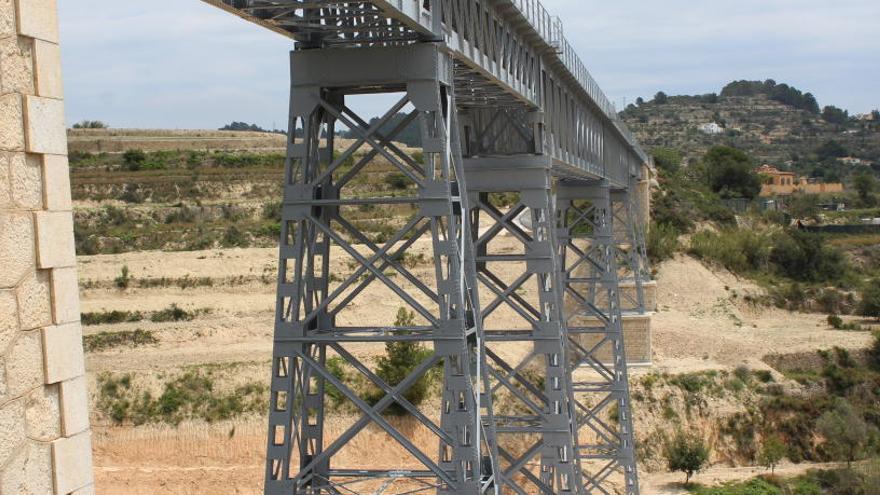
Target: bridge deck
[508,53]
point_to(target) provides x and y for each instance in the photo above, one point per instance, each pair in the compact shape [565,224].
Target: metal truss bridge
[520,221]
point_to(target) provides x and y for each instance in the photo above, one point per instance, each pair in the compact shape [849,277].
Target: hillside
[786,134]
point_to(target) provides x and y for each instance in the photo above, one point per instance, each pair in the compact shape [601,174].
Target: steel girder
[597,357]
[312,345]
[506,52]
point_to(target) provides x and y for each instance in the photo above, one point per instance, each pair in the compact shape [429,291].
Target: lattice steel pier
[522,202]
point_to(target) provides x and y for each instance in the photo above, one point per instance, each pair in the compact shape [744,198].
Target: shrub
[870,304]
[835,322]
[134,159]
[109,340]
[662,242]
[687,454]
[667,159]
[740,251]
[111,317]
[397,180]
[124,278]
[805,257]
[234,237]
[172,313]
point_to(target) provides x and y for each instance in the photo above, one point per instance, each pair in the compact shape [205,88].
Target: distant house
[782,183]
[710,128]
[850,160]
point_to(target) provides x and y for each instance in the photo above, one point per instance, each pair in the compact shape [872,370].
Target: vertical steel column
[630,249]
[317,229]
[525,347]
[605,439]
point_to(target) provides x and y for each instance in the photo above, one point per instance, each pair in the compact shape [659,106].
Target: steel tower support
[630,245]
[516,265]
[320,231]
[597,357]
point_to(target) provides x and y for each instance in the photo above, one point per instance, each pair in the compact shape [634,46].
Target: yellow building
[781,183]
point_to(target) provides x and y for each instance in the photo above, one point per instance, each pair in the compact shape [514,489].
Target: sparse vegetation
[110,340]
[191,395]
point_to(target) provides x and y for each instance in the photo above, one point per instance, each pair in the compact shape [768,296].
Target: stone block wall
[45,442]
[637,338]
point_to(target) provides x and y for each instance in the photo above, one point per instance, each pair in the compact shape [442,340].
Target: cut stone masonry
[45,441]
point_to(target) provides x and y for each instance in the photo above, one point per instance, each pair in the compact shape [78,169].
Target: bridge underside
[522,196]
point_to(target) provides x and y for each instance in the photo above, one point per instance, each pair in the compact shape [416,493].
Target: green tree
[875,115]
[687,454]
[90,124]
[834,115]
[667,159]
[661,98]
[730,173]
[640,101]
[831,149]
[865,184]
[870,305]
[845,431]
[772,452]
[400,360]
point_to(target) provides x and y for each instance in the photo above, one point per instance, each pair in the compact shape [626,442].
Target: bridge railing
[551,31]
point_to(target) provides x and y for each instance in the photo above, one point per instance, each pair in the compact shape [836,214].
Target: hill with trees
[772,122]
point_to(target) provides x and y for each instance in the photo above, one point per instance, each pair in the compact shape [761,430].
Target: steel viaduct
[504,106]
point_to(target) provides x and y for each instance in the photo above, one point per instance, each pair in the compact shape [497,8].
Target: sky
[185,64]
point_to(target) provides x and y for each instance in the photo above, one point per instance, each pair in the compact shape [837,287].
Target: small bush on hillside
[173,313]
[730,173]
[740,251]
[108,340]
[756,486]
[111,317]
[662,242]
[805,257]
[124,278]
[134,159]
[397,180]
[870,305]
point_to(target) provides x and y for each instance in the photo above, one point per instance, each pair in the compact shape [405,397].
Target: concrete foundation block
[74,406]
[55,244]
[637,339]
[65,295]
[47,69]
[56,183]
[29,472]
[24,364]
[42,407]
[11,119]
[16,65]
[34,300]
[63,352]
[8,319]
[12,429]
[38,19]
[45,125]
[27,181]
[72,458]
